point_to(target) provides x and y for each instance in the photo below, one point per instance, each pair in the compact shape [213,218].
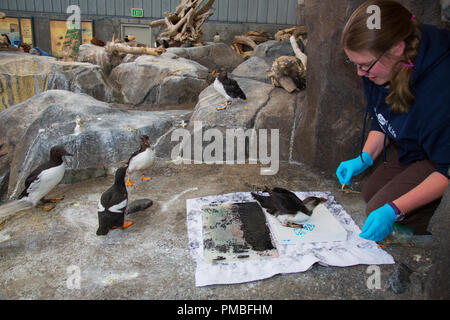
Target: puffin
[227,87]
[286,206]
[141,160]
[129,38]
[38,184]
[113,204]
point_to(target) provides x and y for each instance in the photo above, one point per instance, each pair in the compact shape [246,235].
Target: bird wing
[287,202]
[33,177]
[232,88]
[120,207]
[142,160]
[113,201]
[264,201]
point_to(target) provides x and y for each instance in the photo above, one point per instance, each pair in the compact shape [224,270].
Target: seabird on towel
[286,206]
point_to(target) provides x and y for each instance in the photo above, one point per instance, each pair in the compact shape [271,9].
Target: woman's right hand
[350,168]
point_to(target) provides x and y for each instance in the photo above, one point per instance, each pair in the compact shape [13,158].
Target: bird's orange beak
[213,73]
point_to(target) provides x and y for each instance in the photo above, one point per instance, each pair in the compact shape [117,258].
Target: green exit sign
[137,12]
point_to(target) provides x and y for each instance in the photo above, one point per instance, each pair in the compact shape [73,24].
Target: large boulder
[99,136]
[165,80]
[91,53]
[438,284]
[266,108]
[262,58]
[253,68]
[26,75]
[211,55]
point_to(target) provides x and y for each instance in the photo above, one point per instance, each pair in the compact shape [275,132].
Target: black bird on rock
[227,87]
[286,206]
[113,204]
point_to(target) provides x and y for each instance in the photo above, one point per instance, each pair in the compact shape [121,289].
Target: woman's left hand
[379,224]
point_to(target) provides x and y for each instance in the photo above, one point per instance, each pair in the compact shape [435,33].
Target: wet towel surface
[292,258]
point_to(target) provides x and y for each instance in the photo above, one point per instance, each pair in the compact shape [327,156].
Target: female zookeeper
[405,69]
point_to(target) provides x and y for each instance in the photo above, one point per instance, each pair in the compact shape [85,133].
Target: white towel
[292,258]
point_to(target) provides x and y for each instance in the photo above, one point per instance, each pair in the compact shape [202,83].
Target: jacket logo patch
[385,125]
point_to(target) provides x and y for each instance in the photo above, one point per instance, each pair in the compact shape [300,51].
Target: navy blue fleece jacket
[423,132]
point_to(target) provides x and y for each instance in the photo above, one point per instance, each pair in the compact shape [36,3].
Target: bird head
[129,38]
[57,152]
[221,73]
[145,141]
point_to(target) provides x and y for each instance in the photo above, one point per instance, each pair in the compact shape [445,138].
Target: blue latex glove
[350,168]
[379,224]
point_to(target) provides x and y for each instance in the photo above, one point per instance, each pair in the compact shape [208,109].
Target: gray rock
[106,136]
[273,49]
[28,75]
[439,226]
[160,81]
[254,68]
[91,53]
[266,108]
[138,205]
[399,279]
[211,55]
[262,58]
[280,113]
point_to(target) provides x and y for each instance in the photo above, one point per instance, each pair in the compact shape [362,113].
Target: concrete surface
[41,253]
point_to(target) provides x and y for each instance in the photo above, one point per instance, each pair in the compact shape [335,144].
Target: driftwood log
[112,47]
[246,43]
[285,34]
[289,72]
[185,25]
[118,49]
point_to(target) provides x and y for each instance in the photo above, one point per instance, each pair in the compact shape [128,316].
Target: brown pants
[391,180]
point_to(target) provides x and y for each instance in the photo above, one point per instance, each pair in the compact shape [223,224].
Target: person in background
[24,47]
[405,69]
[5,36]
[39,52]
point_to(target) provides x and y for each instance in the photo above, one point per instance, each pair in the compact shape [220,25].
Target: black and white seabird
[141,160]
[286,206]
[227,87]
[45,177]
[39,183]
[113,204]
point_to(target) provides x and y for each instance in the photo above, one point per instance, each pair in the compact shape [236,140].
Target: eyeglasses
[360,67]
